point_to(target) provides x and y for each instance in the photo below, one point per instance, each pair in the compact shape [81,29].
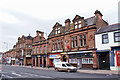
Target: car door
[64,68]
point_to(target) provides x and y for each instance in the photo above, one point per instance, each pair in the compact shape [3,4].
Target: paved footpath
[110,72]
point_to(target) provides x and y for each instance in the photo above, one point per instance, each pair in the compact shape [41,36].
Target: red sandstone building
[39,50]
[75,42]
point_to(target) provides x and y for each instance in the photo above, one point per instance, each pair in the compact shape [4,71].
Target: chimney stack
[98,14]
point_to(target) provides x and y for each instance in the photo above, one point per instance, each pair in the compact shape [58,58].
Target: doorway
[79,63]
[104,62]
[64,58]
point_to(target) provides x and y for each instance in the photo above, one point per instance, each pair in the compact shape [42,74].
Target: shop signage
[118,57]
[41,55]
[64,53]
[54,56]
[58,51]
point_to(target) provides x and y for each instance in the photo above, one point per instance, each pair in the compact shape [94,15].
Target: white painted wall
[98,41]
[100,46]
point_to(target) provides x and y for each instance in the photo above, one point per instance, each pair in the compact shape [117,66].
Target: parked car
[64,66]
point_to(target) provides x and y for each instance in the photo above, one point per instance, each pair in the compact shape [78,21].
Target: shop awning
[79,52]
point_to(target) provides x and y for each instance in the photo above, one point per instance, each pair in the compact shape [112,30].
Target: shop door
[104,61]
[44,62]
[79,63]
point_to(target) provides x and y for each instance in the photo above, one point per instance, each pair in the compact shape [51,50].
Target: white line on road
[36,75]
[7,76]
[17,74]
[30,74]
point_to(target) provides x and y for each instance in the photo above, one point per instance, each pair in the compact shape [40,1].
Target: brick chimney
[18,39]
[67,24]
[37,33]
[98,14]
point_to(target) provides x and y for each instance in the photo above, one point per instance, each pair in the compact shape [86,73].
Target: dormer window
[79,24]
[57,30]
[75,25]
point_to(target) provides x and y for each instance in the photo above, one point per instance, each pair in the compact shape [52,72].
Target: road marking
[45,76]
[7,76]
[16,74]
[30,74]
[36,75]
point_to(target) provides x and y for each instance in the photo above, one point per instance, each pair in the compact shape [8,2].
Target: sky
[24,17]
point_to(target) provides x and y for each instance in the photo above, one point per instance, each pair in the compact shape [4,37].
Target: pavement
[110,72]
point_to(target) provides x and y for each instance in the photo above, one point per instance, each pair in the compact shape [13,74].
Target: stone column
[25,61]
[95,60]
[67,58]
[32,61]
[39,61]
[35,61]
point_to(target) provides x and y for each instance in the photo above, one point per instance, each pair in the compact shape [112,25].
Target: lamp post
[6,51]
[46,50]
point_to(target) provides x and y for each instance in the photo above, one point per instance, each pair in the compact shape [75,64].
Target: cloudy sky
[24,17]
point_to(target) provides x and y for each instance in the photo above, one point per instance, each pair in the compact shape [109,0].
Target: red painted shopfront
[118,57]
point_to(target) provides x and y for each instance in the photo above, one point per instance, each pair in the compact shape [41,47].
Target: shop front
[53,57]
[41,60]
[115,58]
[81,59]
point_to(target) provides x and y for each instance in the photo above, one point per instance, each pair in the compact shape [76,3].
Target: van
[64,66]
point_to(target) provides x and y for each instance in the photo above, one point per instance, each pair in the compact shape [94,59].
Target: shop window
[117,37]
[105,39]
[87,60]
[73,60]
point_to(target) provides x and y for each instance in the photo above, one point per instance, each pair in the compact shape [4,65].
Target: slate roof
[110,28]
[90,21]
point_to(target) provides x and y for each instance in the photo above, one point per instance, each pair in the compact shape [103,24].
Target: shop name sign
[58,51]
[54,56]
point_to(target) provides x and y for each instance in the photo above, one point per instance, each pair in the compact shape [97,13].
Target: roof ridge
[89,17]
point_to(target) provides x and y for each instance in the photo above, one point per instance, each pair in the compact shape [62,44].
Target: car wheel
[68,70]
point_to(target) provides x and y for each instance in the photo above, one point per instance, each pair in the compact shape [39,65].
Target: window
[105,38]
[40,49]
[29,46]
[81,41]
[63,65]
[22,45]
[61,44]
[58,44]
[117,37]
[28,52]
[37,50]
[57,30]
[33,50]
[72,42]
[79,26]
[84,40]
[76,41]
[75,25]
[44,49]
[87,60]
[53,45]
